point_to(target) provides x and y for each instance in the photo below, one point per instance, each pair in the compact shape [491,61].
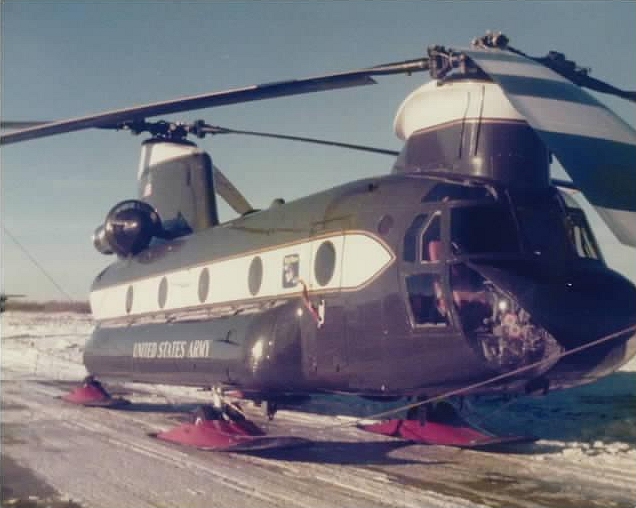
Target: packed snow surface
[586,455]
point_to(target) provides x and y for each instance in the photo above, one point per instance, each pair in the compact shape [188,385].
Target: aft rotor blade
[595,147]
[232,196]
[215,129]
[251,93]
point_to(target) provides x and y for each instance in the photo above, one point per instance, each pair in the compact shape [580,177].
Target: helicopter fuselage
[463,265]
[406,284]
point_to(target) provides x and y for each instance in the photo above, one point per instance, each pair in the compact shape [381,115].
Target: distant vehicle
[464,271]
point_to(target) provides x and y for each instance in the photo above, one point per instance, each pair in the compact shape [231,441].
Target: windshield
[481,229]
[544,224]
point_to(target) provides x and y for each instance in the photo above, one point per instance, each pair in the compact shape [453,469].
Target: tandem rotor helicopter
[467,270]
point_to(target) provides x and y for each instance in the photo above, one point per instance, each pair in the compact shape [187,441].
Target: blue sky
[64,59]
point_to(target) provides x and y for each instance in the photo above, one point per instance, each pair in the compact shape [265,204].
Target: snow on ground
[586,433]
[595,422]
[45,344]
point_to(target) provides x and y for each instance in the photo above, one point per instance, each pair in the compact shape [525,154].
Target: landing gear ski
[93,394]
[223,426]
[441,424]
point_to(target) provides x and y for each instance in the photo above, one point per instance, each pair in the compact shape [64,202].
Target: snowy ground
[586,457]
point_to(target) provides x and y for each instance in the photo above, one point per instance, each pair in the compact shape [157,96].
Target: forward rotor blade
[595,147]
[601,86]
[251,93]
[579,76]
[215,129]
[229,192]
[21,125]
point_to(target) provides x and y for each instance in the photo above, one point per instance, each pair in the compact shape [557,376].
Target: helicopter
[467,270]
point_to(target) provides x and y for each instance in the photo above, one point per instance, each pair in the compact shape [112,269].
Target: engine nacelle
[128,229]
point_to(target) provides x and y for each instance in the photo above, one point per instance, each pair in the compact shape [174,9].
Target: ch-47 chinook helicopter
[466,270]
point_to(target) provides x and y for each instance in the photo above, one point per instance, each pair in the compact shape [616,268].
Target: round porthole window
[325,263]
[129,299]
[255,276]
[204,285]
[162,296]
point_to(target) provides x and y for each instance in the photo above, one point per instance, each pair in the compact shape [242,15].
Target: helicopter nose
[577,306]
[581,308]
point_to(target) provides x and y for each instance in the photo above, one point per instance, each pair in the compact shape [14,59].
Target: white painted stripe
[359,258]
[514,65]
[572,118]
[553,115]
[160,152]
[431,105]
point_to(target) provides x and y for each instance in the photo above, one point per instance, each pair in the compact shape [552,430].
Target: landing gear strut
[223,426]
[418,413]
[271,407]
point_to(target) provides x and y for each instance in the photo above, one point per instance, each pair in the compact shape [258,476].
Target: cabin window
[426,299]
[483,229]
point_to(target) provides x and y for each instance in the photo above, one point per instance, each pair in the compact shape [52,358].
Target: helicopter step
[92,393]
[441,424]
[223,426]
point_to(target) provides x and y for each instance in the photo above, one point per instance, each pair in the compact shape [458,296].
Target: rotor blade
[601,86]
[229,192]
[21,125]
[595,147]
[564,184]
[215,129]
[579,76]
[214,99]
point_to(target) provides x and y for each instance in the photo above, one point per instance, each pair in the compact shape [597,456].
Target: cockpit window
[544,225]
[426,299]
[454,192]
[483,229]
[409,252]
[432,240]
[581,235]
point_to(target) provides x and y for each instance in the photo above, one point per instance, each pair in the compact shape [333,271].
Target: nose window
[470,296]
